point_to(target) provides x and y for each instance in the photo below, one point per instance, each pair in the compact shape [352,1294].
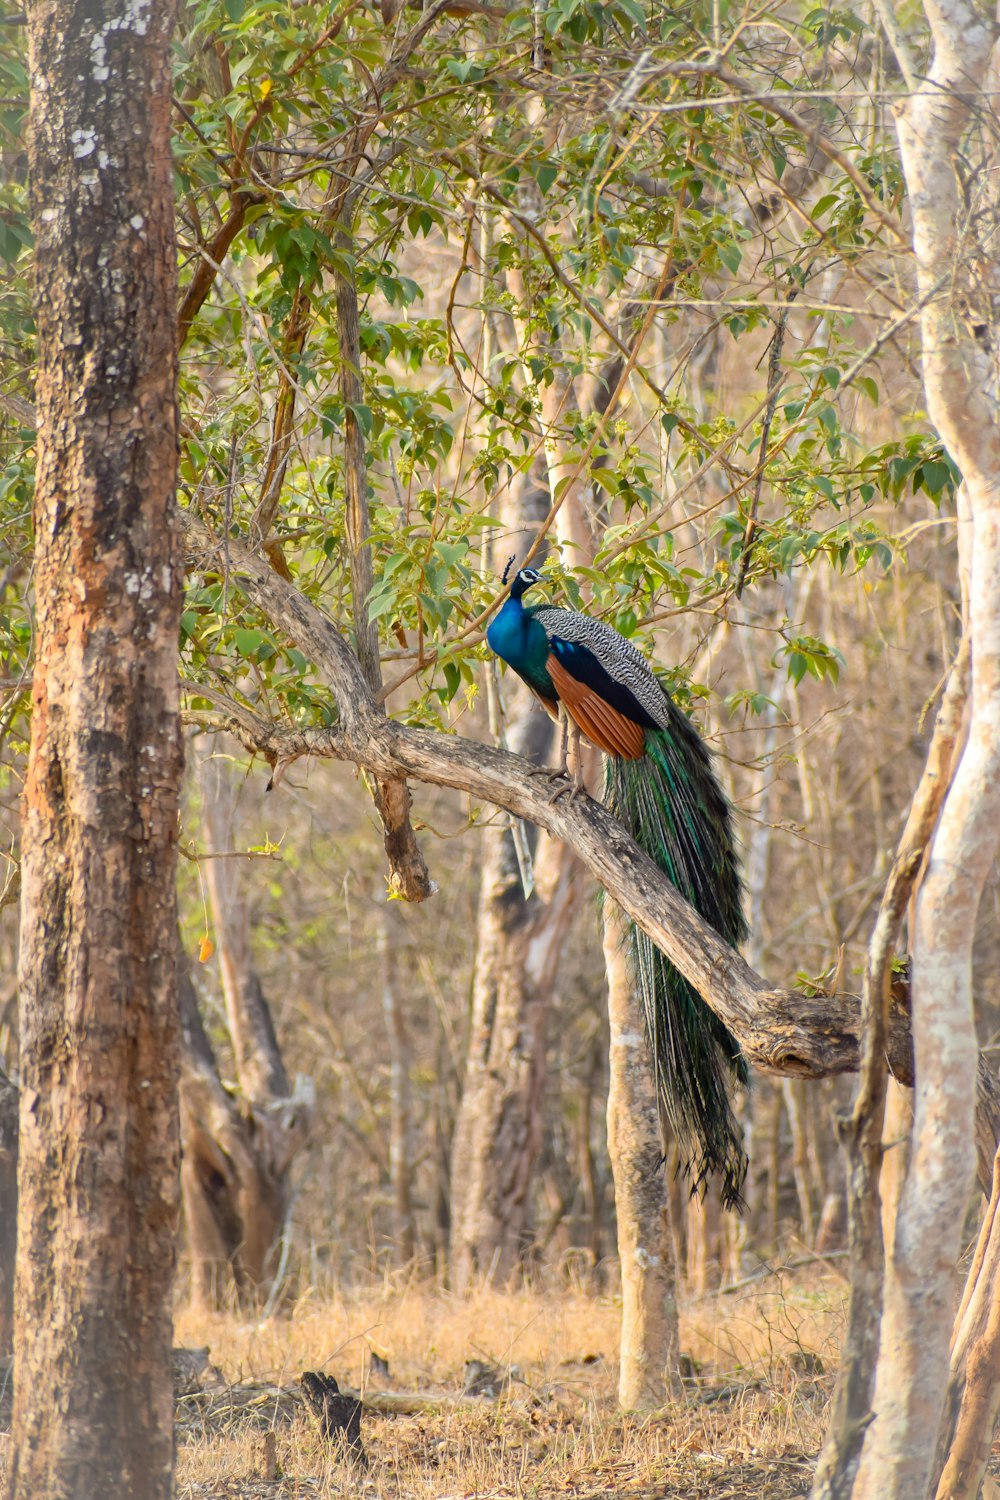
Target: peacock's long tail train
[661,785]
[675,809]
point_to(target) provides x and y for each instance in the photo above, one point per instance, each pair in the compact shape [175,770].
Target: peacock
[660,784]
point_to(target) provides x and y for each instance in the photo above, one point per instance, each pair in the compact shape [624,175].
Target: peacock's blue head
[523,580]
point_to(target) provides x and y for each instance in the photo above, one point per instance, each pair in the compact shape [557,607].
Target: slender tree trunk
[895,1153]
[409,877]
[958,281]
[98,1170]
[239,1145]
[391,936]
[704,1217]
[498,1131]
[795,1095]
[861,1133]
[650,1342]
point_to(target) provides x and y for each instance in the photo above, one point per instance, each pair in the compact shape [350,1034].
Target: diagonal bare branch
[781,1031]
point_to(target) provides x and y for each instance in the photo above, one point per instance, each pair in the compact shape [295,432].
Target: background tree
[239,1141]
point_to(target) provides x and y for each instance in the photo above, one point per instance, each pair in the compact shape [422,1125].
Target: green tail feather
[675,809]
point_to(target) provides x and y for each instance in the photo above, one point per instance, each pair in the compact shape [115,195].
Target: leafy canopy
[599,200]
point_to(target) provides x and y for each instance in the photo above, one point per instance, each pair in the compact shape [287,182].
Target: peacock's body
[661,785]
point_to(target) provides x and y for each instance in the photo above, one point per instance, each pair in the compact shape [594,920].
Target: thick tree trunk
[93,1404]
[498,1130]
[8,1209]
[650,1339]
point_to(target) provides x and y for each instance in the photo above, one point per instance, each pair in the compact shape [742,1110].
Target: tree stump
[339,1416]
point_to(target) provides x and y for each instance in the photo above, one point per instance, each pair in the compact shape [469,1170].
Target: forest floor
[748,1424]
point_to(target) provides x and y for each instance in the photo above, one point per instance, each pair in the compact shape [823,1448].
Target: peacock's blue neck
[519,640]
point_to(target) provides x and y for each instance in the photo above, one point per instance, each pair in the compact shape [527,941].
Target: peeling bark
[972,1403]
[8,1209]
[98,1139]
[959,375]
[861,1131]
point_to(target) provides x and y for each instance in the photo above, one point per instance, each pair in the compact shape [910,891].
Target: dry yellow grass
[750,1422]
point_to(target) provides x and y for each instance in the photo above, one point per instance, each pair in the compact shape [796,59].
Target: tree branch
[781,1031]
[205,271]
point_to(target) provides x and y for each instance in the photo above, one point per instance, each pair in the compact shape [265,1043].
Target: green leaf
[546,175]
[934,476]
[248,642]
[731,256]
[364,415]
[380,604]
[453,680]
[466,70]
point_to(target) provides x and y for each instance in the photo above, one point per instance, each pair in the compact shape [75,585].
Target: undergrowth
[748,1422]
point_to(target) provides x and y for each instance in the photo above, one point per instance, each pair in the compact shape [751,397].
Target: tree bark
[861,1131]
[650,1336]
[8,1209]
[239,1145]
[390,937]
[973,1397]
[498,1130]
[409,877]
[93,1404]
[959,378]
